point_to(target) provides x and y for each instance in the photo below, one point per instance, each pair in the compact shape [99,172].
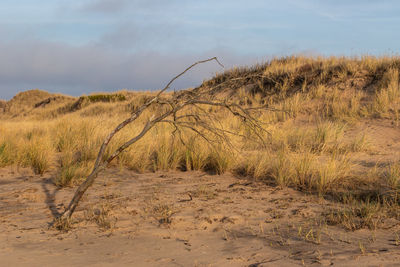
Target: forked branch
[195,119]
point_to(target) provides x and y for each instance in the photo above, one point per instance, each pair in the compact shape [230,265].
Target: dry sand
[179,219]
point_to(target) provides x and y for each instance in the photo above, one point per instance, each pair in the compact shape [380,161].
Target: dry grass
[319,100]
[101,215]
[364,214]
[392,176]
[63,225]
[161,212]
[204,192]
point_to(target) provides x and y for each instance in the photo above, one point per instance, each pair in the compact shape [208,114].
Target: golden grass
[317,100]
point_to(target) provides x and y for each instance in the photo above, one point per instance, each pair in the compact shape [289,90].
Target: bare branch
[99,165]
[183,72]
[184,110]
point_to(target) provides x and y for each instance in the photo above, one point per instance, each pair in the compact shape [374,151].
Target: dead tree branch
[196,119]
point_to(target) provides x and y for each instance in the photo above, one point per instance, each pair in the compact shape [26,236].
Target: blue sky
[83,46]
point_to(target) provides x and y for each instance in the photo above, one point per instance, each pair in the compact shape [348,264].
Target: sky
[83,46]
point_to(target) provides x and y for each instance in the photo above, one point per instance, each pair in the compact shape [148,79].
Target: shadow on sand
[50,197]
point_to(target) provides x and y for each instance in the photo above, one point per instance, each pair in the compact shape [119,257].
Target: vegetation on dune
[334,88]
[313,107]
[84,101]
[2,105]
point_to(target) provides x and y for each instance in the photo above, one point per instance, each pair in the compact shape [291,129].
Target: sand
[179,219]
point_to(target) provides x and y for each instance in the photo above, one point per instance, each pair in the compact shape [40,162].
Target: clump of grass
[78,137]
[167,154]
[84,101]
[66,177]
[332,174]
[297,140]
[360,143]
[102,216]
[31,134]
[72,169]
[358,215]
[69,175]
[310,235]
[36,155]
[253,165]
[281,170]
[77,144]
[342,105]
[137,158]
[205,192]
[38,160]
[388,96]
[289,108]
[317,91]
[195,153]
[62,224]
[326,136]
[392,175]
[269,166]
[8,153]
[218,161]
[105,97]
[163,213]
[304,171]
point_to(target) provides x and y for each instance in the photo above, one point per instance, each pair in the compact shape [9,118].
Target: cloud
[126,35]
[106,6]
[117,6]
[133,37]
[140,44]
[343,10]
[77,70]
